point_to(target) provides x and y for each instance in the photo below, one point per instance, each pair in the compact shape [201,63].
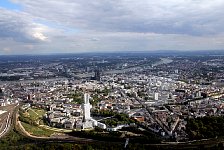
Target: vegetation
[14,141]
[131,94]
[141,93]
[36,115]
[36,131]
[118,119]
[144,136]
[103,113]
[30,121]
[77,97]
[105,91]
[40,112]
[32,116]
[111,136]
[95,100]
[27,120]
[206,127]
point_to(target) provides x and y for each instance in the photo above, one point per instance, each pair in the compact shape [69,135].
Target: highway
[12,122]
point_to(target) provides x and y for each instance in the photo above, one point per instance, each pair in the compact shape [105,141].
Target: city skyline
[71,26]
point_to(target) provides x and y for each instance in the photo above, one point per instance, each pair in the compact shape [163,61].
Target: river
[162,61]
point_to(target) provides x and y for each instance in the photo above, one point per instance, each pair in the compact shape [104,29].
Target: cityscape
[111,75]
[137,96]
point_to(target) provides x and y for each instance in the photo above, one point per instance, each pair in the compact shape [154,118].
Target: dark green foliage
[95,100]
[206,127]
[118,119]
[111,136]
[104,91]
[145,137]
[13,138]
[103,113]
[77,97]
[26,119]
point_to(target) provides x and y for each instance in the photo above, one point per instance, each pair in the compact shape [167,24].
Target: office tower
[86,107]
[156,96]
[1,93]
[97,75]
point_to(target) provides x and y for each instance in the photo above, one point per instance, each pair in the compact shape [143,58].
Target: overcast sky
[70,26]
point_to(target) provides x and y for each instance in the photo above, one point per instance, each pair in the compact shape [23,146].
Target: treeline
[77,97]
[87,146]
[205,127]
[10,78]
[118,119]
[111,136]
[102,113]
[145,137]
[13,139]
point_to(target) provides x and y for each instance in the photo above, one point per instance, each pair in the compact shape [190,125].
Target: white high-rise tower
[86,107]
[156,96]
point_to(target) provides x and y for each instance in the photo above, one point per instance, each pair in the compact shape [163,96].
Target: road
[59,138]
[14,124]
[155,119]
[6,118]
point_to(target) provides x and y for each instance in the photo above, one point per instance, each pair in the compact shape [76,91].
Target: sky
[76,26]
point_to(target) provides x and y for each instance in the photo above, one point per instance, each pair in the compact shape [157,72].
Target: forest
[205,127]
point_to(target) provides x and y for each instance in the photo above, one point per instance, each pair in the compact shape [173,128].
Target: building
[86,108]
[156,96]
[97,75]
[1,94]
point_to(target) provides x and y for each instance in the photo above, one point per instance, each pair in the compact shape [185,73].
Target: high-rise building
[86,107]
[97,75]
[1,93]
[156,96]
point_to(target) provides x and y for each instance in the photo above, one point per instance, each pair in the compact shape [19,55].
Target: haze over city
[72,26]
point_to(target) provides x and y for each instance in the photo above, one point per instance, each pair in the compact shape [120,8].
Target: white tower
[156,96]
[86,107]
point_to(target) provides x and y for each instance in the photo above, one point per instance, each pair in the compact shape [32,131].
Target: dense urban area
[112,101]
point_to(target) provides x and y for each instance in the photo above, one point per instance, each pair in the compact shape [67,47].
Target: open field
[55,129]
[37,131]
[35,114]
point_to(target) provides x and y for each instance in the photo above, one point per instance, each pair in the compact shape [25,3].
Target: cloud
[6,49]
[37,33]
[194,17]
[83,25]
[20,27]
[95,39]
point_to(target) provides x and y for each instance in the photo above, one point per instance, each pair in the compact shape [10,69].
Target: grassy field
[37,131]
[36,115]
[40,112]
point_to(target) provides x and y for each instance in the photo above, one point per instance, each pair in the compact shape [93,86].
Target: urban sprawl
[157,93]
